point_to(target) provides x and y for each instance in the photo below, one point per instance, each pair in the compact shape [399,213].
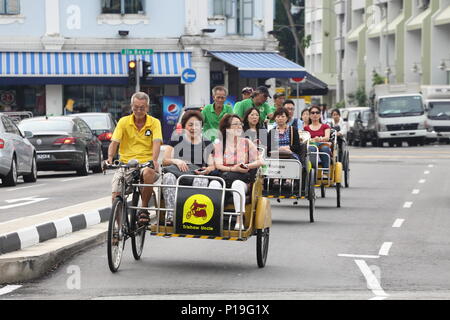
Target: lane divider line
[360,256]
[422,181]
[431,166]
[416,191]
[384,250]
[398,223]
[21,188]
[8,289]
[426,172]
[408,205]
[372,282]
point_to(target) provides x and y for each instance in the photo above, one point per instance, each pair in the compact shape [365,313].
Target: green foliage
[340,104]
[284,36]
[377,79]
[361,96]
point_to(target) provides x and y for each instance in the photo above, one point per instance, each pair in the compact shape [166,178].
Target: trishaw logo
[198,210]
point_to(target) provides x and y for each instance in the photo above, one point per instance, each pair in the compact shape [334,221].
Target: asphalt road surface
[389,240]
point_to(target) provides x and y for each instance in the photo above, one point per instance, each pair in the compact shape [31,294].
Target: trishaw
[200,213]
[330,177]
[301,180]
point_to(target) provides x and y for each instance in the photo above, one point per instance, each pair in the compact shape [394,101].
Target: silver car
[17,154]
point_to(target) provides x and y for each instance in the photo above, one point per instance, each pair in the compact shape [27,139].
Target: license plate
[43,156]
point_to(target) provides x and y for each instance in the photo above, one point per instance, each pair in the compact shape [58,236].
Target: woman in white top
[336,120]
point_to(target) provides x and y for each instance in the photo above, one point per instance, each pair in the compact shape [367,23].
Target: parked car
[17,154]
[102,125]
[352,115]
[364,129]
[64,143]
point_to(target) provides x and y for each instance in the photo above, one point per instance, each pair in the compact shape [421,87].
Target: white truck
[399,114]
[437,104]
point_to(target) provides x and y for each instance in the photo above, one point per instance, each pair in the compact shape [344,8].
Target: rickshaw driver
[140,137]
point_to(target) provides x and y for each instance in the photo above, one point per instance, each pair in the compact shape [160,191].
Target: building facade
[57,55]
[400,40]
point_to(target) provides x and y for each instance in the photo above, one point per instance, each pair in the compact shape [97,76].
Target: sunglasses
[315,112]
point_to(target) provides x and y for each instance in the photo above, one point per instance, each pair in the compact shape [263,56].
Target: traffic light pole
[138,75]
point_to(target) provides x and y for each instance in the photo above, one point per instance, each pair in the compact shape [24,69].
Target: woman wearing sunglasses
[320,136]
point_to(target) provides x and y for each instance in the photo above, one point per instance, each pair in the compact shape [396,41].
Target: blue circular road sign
[188,75]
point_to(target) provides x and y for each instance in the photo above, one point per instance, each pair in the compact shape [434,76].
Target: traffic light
[132,69]
[146,69]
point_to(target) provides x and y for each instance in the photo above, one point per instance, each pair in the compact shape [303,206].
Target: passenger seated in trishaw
[284,143]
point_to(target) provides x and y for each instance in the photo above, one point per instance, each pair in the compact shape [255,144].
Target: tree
[294,33]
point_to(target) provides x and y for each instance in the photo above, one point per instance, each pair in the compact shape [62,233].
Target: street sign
[188,75]
[137,51]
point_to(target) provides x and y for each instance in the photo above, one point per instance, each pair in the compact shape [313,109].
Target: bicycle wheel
[138,233]
[312,196]
[262,246]
[116,234]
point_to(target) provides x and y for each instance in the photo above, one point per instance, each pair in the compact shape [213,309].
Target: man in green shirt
[213,113]
[258,100]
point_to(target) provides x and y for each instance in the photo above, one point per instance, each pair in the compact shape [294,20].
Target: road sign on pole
[136,51]
[188,75]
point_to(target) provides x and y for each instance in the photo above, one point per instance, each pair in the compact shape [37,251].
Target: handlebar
[133,163]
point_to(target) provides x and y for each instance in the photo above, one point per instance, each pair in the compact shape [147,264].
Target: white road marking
[416,191]
[407,205]
[378,298]
[422,181]
[372,282]
[431,166]
[384,251]
[398,223]
[8,289]
[426,172]
[28,200]
[21,188]
[361,256]
[71,179]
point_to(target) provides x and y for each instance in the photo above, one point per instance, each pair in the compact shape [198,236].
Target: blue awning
[261,64]
[88,64]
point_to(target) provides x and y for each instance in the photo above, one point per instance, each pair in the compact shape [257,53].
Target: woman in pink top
[237,158]
[320,135]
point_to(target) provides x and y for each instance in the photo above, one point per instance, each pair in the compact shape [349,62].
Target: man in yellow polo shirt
[140,137]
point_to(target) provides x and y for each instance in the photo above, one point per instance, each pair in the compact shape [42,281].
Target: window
[219,8]
[239,15]
[10,126]
[122,6]
[9,7]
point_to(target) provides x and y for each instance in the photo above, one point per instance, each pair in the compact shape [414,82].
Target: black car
[102,125]
[364,129]
[64,143]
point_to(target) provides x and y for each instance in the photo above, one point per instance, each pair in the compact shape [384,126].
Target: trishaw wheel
[322,191]
[116,234]
[347,171]
[138,237]
[338,195]
[312,196]
[262,246]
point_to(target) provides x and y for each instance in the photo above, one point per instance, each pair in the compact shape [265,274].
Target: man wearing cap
[213,113]
[258,100]
[247,93]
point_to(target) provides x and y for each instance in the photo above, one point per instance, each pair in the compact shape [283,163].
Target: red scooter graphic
[197,210]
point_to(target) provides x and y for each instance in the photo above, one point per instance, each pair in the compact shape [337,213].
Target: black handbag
[230,177]
[173,169]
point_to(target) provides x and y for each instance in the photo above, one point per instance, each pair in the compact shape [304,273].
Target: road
[390,240]
[52,190]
